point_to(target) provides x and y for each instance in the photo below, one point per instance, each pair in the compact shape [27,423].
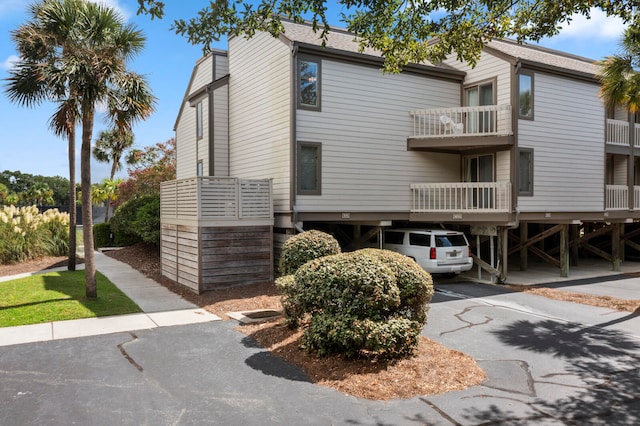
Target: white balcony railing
[636,197]
[488,120]
[215,198]
[617,197]
[617,132]
[471,197]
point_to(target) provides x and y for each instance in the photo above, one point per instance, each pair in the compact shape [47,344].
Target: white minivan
[437,251]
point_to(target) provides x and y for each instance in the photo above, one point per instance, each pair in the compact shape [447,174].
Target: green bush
[304,247]
[147,221]
[291,305]
[415,284]
[101,235]
[137,220]
[369,302]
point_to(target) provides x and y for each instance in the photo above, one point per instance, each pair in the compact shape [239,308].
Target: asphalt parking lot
[548,362]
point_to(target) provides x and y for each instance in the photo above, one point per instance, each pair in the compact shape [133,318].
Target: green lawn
[57,296]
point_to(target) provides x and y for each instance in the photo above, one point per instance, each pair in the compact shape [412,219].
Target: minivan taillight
[469,248]
[432,253]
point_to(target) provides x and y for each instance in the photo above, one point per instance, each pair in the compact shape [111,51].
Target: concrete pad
[245,317]
[25,334]
[101,325]
[186,316]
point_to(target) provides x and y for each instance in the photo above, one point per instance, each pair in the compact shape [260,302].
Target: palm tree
[110,147]
[75,52]
[620,76]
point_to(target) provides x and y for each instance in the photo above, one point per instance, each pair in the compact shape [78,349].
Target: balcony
[617,133]
[461,197]
[617,197]
[461,128]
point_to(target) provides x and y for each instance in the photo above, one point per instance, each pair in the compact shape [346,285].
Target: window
[309,168]
[481,120]
[480,94]
[308,83]
[200,169]
[394,237]
[199,127]
[525,171]
[525,96]
[423,240]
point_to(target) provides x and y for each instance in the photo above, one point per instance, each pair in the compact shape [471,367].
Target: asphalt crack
[470,324]
[126,355]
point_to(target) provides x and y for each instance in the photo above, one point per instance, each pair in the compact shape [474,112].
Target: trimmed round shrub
[304,247]
[369,302]
[415,284]
[349,284]
[391,338]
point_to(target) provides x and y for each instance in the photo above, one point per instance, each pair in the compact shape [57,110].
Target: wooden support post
[615,248]
[573,244]
[622,237]
[524,234]
[503,253]
[564,251]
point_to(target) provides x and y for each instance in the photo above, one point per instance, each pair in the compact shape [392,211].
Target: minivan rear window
[420,240]
[454,240]
[391,237]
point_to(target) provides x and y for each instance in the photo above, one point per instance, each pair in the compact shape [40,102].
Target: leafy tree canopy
[400,28]
[37,189]
[153,165]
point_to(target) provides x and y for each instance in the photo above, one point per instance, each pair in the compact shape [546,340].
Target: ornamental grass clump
[366,303]
[25,233]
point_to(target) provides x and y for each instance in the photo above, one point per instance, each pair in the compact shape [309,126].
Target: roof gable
[545,57]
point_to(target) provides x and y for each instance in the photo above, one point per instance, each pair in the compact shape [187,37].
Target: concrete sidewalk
[160,307]
[594,277]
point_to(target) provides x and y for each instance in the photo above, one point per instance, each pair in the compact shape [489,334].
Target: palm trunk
[71,264]
[108,202]
[87,220]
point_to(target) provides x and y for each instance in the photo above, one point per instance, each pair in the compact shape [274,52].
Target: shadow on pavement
[602,377]
[272,365]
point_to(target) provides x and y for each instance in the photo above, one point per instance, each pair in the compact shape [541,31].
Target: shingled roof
[337,38]
[544,56]
[342,40]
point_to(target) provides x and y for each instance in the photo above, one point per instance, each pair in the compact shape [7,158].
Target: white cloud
[114,4]
[9,62]
[600,27]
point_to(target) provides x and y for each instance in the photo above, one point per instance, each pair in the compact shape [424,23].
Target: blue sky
[26,144]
